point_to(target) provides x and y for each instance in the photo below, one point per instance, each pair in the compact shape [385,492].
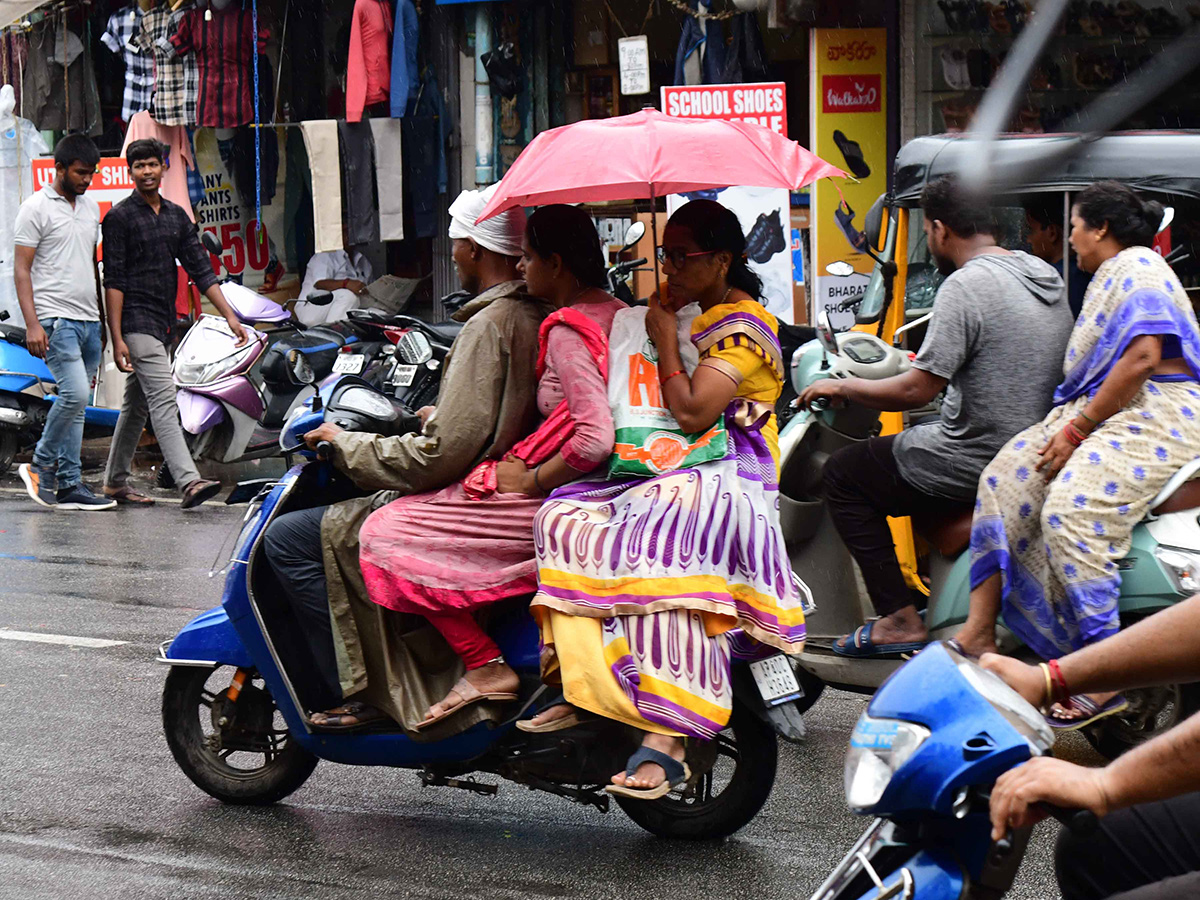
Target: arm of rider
[217,299]
[1161,649]
[1117,391]
[326,431]
[35,335]
[337,284]
[912,390]
[697,401]
[424,413]
[116,303]
[1165,766]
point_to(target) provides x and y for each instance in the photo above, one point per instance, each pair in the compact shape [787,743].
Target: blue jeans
[73,356]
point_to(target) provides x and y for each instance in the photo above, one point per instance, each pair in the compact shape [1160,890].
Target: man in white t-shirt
[58,287]
[345,272]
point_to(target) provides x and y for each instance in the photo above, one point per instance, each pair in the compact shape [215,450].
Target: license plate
[776,681]
[349,363]
[403,376]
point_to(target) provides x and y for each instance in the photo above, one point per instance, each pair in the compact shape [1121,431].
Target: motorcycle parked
[922,760]
[236,726]
[27,391]
[1160,570]
[619,273]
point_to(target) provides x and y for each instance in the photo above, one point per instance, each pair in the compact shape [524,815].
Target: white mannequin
[20,143]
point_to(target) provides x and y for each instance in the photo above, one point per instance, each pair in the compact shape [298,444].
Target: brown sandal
[469,695]
[127,495]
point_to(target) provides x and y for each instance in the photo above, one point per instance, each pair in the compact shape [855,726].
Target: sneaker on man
[80,497]
[39,483]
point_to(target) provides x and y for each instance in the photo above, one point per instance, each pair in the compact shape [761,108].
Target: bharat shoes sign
[849,129]
[762,104]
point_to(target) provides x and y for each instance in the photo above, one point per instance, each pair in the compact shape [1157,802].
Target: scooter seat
[949,534]
[14,334]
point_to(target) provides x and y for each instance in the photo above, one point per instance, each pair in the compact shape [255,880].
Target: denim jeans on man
[73,357]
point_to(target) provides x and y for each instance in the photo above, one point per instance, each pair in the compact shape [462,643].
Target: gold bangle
[1049,684]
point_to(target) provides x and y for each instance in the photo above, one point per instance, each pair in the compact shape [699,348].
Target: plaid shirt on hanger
[177,78]
[224,46]
[119,37]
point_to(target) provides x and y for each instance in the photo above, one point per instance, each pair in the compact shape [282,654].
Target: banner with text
[849,128]
[764,212]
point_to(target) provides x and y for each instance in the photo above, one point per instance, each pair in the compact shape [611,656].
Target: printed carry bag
[649,440]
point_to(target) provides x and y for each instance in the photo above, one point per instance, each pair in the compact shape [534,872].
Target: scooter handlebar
[1081,822]
[819,404]
[324,450]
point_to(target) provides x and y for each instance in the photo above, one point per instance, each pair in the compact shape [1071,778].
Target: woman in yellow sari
[648,587]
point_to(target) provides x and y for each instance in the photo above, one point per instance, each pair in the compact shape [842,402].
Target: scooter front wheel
[232,743]
[734,776]
[8,448]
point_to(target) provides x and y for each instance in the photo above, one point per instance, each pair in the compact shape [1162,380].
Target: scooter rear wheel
[250,759]
[1152,711]
[727,791]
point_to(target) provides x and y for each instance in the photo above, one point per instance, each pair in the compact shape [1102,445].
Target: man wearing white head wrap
[486,403]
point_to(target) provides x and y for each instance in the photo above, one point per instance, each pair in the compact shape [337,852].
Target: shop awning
[1161,162]
[12,10]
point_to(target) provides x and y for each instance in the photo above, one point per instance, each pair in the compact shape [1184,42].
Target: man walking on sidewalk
[59,292]
[143,236]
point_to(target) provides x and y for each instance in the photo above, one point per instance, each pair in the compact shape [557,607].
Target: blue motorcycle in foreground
[27,390]
[922,760]
[236,724]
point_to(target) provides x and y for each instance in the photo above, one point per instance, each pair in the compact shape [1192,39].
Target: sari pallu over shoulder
[1132,295]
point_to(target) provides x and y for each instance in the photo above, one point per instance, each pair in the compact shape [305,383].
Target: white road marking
[39,637]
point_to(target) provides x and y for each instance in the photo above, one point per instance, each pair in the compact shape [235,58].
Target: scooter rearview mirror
[211,243]
[634,234]
[826,334]
[320,298]
[300,369]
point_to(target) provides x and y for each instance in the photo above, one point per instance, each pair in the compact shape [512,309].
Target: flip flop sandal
[677,774]
[859,644]
[562,723]
[1092,712]
[471,700]
[338,718]
[128,496]
[852,153]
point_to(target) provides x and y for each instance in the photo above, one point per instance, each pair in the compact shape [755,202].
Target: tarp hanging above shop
[12,10]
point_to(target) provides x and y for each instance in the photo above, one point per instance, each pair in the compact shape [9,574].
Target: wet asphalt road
[93,806]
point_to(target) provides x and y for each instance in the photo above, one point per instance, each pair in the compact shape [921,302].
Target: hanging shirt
[224,49]
[120,37]
[405,75]
[176,79]
[369,69]
[179,156]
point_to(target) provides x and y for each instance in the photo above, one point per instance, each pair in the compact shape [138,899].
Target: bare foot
[650,775]
[1067,713]
[977,642]
[493,678]
[901,627]
[553,714]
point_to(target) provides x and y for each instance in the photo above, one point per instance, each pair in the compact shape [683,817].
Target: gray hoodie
[998,335]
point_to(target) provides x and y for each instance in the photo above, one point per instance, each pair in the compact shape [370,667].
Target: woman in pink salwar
[446,554]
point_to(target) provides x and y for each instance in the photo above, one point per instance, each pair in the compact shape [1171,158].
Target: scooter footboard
[208,640]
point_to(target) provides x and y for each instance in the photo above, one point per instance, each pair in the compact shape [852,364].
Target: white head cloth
[501,234]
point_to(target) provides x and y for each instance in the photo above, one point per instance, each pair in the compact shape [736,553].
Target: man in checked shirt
[144,235]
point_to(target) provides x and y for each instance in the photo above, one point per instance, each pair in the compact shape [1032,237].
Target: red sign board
[763,104]
[851,93]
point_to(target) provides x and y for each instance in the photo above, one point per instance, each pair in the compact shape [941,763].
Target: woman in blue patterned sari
[1057,506]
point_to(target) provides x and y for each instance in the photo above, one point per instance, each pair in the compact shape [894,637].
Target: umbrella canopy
[648,154]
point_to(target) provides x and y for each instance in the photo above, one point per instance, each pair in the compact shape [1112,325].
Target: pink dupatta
[558,427]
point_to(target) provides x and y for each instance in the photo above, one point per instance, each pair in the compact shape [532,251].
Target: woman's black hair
[571,233]
[715,227]
[1131,220]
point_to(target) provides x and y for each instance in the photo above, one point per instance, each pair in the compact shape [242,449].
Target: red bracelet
[1059,681]
[1074,435]
[672,375]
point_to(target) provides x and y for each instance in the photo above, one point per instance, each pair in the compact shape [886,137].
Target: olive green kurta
[487,402]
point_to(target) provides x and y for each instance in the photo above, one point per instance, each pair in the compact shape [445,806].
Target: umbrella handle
[654,236]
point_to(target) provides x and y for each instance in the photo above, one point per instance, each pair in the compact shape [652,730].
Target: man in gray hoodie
[995,344]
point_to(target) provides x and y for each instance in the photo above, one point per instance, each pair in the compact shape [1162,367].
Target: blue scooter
[922,761]
[27,390]
[236,723]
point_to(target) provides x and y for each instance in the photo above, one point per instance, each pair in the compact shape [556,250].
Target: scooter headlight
[206,372]
[878,748]
[1182,565]
[367,402]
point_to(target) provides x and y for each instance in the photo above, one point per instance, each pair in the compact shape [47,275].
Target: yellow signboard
[849,129]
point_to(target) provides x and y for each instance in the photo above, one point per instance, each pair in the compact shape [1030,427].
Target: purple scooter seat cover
[252,307]
[198,413]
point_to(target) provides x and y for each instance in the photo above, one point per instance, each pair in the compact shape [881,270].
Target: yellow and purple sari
[649,587]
